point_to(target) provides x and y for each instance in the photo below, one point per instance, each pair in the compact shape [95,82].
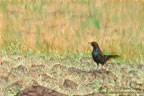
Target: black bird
[98,56]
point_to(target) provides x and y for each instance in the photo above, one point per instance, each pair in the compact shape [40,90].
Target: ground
[55,34]
[69,75]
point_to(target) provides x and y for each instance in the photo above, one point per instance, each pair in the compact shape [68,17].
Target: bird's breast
[95,52]
[98,58]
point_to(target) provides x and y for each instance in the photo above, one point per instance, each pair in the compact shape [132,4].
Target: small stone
[21,68]
[70,84]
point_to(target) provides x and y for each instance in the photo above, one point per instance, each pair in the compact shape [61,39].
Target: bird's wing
[100,52]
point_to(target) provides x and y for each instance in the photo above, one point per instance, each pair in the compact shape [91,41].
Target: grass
[62,29]
[57,27]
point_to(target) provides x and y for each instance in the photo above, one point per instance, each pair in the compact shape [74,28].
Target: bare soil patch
[69,76]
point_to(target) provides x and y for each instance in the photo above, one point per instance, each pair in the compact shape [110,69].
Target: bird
[98,56]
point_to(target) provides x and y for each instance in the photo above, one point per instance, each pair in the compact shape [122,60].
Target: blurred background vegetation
[64,27]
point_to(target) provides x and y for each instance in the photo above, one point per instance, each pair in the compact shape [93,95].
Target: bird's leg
[100,66]
[103,67]
[92,61]
[97,66]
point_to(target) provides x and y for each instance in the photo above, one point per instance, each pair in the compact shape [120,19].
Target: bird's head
[94,44]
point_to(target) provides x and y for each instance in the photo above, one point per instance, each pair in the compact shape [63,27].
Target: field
[46,41]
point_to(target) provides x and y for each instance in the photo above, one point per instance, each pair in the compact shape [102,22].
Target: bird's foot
[102,69]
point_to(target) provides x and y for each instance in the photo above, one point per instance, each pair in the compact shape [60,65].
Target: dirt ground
[69,76]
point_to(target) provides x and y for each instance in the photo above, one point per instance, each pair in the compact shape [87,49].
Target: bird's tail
[108,57]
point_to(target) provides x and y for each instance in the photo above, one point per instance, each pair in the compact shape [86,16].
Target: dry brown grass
[68,26]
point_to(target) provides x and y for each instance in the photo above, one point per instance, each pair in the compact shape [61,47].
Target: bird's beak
[89,42]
